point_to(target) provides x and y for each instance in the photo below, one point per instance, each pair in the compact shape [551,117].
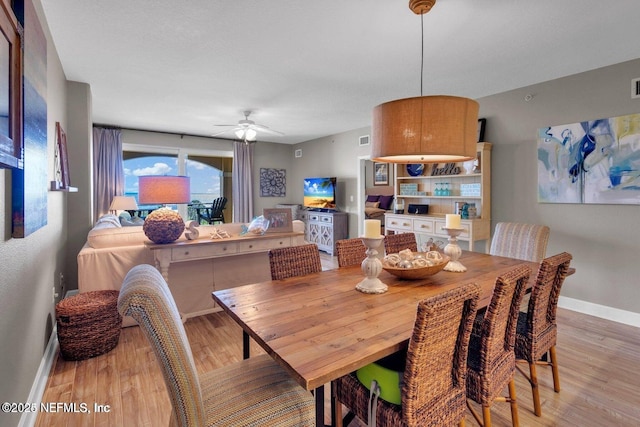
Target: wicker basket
[88,324]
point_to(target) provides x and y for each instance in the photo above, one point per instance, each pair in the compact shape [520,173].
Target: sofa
[112,249]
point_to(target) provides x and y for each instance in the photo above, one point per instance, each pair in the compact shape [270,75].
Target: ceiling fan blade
[265,129]
[222,132]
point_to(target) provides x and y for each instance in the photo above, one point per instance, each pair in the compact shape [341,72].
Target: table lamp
[123,203]
[163,225]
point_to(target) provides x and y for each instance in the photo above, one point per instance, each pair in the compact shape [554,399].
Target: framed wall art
[29,184]
[279,220]
[273,182]
[380,173]
[594,162]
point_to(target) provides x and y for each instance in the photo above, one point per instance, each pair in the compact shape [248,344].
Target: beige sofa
[112,250]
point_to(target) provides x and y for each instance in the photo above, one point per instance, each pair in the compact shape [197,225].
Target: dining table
[318,327]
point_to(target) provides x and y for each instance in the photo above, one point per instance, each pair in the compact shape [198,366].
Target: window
[206,174]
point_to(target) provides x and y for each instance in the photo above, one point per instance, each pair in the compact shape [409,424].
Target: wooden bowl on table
[415,273]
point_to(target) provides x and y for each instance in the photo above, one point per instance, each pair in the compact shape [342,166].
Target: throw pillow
[371,204]
[372,198]
[385,202]
[109,219]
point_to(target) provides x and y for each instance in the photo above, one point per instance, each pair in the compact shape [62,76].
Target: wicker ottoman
[88,324]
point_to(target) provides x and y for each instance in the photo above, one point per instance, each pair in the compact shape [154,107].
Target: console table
[230,262]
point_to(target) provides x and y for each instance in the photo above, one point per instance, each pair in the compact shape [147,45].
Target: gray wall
[604,239]
[30,267]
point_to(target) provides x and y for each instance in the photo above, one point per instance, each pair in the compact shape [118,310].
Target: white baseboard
[28,419]
[602,311]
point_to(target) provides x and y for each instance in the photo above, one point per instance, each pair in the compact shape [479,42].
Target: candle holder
[453,251]
[371,267]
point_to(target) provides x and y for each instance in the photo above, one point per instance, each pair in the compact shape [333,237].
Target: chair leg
[486,415]
[533,379]
[554,369]
[514,404]
[336,407]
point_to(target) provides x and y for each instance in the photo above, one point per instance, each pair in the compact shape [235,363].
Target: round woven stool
[88,324]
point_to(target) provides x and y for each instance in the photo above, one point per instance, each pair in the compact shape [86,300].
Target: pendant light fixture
[425,129]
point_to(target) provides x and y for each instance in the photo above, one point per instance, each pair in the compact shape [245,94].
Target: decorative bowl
[417,272]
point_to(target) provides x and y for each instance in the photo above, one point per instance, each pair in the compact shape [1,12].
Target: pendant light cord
[421,50]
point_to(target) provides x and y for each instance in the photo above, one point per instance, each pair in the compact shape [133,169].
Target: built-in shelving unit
[422,189]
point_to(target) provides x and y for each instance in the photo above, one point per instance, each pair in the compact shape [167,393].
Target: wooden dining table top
[319,327]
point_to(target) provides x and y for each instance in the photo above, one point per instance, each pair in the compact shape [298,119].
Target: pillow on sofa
[103,237]
[109,219]
[385,202]
[372,198]
[371,204]
[129,222]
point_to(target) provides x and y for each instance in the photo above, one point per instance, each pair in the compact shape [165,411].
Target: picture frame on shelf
[380,173]
[482,123]
[63,158]
[279,220]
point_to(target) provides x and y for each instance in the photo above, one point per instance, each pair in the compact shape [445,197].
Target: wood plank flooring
[599,376]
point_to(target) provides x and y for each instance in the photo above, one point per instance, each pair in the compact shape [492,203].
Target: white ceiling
[316,68]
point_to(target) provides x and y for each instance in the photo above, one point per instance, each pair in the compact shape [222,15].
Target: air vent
[635,88]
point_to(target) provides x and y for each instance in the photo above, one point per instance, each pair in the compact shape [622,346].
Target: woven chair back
[527,242]
[294,261]
[394,243]
[498,330]
[437,357]
[350,252]
[146,297]
[543,303]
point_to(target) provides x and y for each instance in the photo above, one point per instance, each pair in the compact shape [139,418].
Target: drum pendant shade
[425,129]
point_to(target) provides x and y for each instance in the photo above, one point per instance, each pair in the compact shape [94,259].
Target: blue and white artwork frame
[593,162]
[29,184]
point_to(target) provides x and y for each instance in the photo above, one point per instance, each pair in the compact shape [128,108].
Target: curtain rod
[182,135]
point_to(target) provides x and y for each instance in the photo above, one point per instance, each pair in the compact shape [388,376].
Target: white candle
[371,228]
[452,221]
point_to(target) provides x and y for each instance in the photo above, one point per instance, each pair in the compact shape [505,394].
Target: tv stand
[325,228]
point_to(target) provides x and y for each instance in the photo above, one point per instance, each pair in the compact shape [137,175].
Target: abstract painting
[596,161]
[29,185]
[273,182]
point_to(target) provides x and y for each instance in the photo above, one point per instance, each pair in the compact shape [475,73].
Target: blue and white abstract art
[596,161]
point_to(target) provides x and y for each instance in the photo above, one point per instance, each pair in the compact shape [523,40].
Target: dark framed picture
[481,125]
[279,220]
[63,159]
[380,173]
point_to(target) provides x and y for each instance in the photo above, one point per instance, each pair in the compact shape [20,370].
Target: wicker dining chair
[491,363]
[527,242]
[433,386]
[537,330]
[394,243]
[350,252]
[294,261]
[255,391]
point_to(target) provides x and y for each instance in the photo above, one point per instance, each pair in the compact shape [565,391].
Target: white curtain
[242,179]
[108,171]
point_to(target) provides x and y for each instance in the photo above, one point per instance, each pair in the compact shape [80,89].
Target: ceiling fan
[247,130]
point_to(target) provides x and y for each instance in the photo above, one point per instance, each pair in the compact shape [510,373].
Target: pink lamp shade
[163,189]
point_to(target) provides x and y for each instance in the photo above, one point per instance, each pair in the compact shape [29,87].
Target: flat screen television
[320,193]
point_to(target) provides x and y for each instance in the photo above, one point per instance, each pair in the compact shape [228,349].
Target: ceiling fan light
[251,135]
[240,133]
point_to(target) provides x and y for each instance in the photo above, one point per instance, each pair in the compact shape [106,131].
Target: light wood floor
[599,375]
